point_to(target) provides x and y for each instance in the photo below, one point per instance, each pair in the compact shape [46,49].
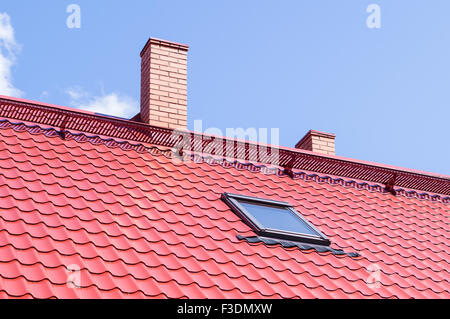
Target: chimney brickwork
[319,142]
[164,84]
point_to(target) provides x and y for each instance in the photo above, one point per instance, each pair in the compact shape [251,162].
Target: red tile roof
[139,224]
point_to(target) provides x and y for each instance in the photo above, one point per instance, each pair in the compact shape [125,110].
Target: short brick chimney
[164,84]
[318,142]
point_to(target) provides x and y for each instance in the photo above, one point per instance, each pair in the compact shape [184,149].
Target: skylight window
[274,219]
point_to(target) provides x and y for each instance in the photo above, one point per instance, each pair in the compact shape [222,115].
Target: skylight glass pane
[277,218]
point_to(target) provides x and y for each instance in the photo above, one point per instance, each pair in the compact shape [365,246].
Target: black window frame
[232,200]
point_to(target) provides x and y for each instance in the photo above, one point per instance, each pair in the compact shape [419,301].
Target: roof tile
[138,225]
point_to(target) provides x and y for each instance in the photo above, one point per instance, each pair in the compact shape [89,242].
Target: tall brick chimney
[164,84]
[319,142]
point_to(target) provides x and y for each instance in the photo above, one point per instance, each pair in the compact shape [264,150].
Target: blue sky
[292,65]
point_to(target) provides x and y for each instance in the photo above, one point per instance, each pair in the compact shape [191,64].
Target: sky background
[292,65]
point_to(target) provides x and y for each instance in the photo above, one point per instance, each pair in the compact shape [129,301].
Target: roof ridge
[289,158]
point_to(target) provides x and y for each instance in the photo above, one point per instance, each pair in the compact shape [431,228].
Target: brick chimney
[318,142]
[164,84]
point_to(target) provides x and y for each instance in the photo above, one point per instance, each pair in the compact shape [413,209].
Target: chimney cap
[317,141]
[165,43]
[315,133]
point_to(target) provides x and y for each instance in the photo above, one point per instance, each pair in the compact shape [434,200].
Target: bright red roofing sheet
[129,222]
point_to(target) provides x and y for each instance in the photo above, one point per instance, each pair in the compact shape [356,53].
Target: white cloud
[8,50]
[44,95]
[110,104]
[76,93]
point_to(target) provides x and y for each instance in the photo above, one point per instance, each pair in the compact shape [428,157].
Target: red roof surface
[139,224]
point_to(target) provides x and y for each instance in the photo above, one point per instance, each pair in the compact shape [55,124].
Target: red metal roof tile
[139,225]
